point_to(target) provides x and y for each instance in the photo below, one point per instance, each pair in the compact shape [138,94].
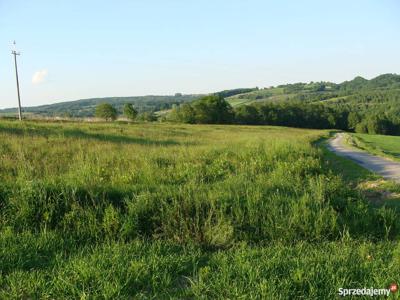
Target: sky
[84,49]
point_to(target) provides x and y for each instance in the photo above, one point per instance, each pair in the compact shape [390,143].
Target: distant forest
[365,106]
[144,104]
[361,105]
[86,107]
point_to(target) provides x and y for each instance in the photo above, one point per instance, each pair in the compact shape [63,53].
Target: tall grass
[68,190]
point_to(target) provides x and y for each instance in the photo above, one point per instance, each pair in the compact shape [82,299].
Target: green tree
[186,114]
[331,120]
[353,119]
[106,111]
[213,109]
[130,112]
[147,117]
[377,125]
[361,127]
[247,114]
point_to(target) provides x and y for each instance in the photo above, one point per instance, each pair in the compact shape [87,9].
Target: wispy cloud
[39,76]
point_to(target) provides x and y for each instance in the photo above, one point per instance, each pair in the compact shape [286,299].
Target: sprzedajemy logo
[393,288]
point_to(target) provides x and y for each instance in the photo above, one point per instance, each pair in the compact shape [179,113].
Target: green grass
[334,99]
[383,145]
[373,186]
[351,172]
[121,211]
[270,95]
[161,270]
[237,101]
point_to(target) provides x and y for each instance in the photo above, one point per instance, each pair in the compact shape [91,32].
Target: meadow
[159,211]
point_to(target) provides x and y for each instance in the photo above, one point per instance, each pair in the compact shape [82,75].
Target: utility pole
[15,53]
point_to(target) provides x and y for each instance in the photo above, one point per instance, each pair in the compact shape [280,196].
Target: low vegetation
[183,211]
[130,111]
[106,111]
[388,146]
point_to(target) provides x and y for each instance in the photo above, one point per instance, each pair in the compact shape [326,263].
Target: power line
[15,53]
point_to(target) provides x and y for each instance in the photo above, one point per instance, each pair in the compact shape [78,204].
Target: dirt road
[388,169]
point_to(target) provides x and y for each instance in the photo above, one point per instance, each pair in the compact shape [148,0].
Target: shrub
[106,111]
[130,112]
[147,117]
[361,127]
[247,114]
[353,119]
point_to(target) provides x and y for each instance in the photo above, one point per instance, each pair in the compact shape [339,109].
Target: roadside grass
[351,172]
[373,187]
[382,145]
[160,211]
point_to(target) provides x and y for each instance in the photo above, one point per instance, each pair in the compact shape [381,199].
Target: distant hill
[360,94]
[86,107]
[361,105]
[359,90]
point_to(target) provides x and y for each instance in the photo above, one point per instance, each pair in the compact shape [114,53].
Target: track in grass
[386,168]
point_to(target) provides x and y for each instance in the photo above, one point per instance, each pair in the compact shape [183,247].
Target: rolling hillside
[327,92]
[86,107]
[381,94]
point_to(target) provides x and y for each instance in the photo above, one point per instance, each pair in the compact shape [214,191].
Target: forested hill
[361,102]
[321,91]
[380,95]
[86,107]
[365,106]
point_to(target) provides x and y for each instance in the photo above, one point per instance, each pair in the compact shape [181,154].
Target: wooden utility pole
[15,53]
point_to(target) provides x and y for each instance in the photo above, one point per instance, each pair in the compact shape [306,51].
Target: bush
[361,127]
[353,119]
[247,114]
[147,117]
[106,111]
[130,112]
[184,113]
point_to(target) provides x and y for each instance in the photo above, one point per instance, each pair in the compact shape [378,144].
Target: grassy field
[121,211]
[272,94]
[383,145]
[237,101]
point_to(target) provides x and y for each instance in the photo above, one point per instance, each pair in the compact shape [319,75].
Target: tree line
[108,112]
[214,109]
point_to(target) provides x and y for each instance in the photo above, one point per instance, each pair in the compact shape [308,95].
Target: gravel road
[387,168]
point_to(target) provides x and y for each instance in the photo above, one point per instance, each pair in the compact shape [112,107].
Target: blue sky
[81,49]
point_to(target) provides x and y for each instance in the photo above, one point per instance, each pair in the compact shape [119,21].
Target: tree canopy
[212,109]
[130,112]
[106,111]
